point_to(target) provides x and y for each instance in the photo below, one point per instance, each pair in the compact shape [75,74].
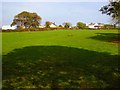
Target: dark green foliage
[109,26]
[81,25]
[60,26]
[112,9]
[47,24]
[67,25]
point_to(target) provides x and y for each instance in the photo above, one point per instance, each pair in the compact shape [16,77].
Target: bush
[81,25]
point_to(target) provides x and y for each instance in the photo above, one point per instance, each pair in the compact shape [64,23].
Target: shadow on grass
[59,67]
[107,37]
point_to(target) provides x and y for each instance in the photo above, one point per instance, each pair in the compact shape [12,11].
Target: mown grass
[60,59]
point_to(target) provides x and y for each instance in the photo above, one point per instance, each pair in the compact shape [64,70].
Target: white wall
[52,26]
[8,27]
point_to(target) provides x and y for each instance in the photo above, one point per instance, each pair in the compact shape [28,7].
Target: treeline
[109,26]
[59,28]
[27,21]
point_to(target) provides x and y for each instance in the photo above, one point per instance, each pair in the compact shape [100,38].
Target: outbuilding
[6,27]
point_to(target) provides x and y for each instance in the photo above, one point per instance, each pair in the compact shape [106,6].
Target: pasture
[61,59]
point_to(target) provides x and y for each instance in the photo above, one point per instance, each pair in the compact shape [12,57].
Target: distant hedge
[47,29]
[26,30]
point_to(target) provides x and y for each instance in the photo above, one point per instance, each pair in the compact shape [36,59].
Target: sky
[58,12]
[54,0]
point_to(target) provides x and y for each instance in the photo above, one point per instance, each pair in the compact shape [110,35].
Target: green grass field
[60,59]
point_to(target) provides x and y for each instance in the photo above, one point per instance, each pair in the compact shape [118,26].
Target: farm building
[94,25]
[6,27]
[41,26]
[53,25]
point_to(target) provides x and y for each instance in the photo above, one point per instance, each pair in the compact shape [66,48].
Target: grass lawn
[61,59]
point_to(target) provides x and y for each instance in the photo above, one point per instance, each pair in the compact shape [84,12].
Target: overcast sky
[57,12]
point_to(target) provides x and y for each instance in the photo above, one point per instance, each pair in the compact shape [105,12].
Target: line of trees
[32,20]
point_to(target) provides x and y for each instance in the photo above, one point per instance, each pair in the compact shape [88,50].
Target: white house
[41,26]
[53,25]
[6,27]
[90,26]
[94,25]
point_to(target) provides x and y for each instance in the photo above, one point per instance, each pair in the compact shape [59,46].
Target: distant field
[61,59]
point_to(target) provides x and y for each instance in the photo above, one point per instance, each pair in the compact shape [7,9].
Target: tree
[113,10]
[81,25]
[67,25]
[47,24]
[60,26]
[26,19]
[109,26]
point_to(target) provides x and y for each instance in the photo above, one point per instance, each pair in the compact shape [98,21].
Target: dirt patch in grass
[116,42]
